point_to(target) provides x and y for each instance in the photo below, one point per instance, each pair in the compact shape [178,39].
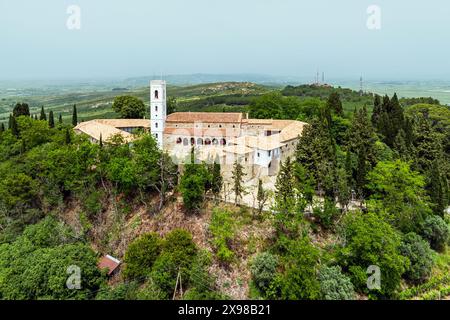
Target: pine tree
[261,197]
[436,189]
[334,103]
[43,116]
[60,120]
[21,109]
[361,174]
[14,127]
[74,116]
[51,120]
[68,137]
[361,136]
[400,146]
[217,179]
[237,176]
[377,111]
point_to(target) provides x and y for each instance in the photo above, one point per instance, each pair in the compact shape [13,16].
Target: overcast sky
[129,38]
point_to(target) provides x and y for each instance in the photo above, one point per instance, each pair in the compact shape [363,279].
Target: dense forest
[365,198]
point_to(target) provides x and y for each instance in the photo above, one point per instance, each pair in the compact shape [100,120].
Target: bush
[222,229]
[140,256]
[263,269]
[327,214]
[334,285]
[436,231]
[369,240]
[420,256]
[164,274]
[179,244]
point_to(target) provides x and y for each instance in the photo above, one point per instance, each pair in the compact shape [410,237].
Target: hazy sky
[280,37]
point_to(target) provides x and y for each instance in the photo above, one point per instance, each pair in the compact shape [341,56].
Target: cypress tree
[261,197]
[74,116]
[217,180]
[237,177]
[35,117]
[436,190]
[14,127]
[377,111]
[68,138]
[10,121]
[21,109]
[60,120]
[51,120]
[360,174]
[101,141]
[2,128]
[334,103]
[43,116]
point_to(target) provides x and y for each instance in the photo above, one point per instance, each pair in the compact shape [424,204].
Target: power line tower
[361,91]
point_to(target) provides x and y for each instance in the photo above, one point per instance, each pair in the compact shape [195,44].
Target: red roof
[108,262]
[207,117]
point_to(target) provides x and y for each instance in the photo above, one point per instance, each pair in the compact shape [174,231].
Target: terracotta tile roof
[208,132]
[94,129]
[207,117]
[259,142]
[109,263]
[238,149]
[292,131]
[126,123]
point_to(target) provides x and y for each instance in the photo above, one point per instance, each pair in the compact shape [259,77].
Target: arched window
[207,141]
[156,94]
[179,140]
[215,142]
[185,142]
[156,135]
[156,125]
[223,142]
[156,108]
[192,141]
[200,141]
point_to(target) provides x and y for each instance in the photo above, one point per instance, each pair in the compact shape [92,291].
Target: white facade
[158,109]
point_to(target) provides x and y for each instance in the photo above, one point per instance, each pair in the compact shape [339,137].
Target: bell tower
[158,109]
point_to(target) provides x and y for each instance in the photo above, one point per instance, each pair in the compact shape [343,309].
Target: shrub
[179,244]
[263,269]
[420,255]
[140,256]
[222,230]
[436,231]
[164,274]
[369,240]
[327,214]
[334,285]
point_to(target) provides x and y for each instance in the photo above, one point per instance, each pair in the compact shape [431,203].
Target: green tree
[60,120]
[51,120]
[263,269]
[129,107]
[237,176]
[334,285]
[21,109]
[141,255]
[43,116]
[222,228]
[217,179]
[334,103]
[74,116]
[369,240]
[420,255]
[436,231]
[299,279]
[398,192]
[171,105]
[262,196]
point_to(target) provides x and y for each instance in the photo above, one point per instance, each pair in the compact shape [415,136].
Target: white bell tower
[158,109]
